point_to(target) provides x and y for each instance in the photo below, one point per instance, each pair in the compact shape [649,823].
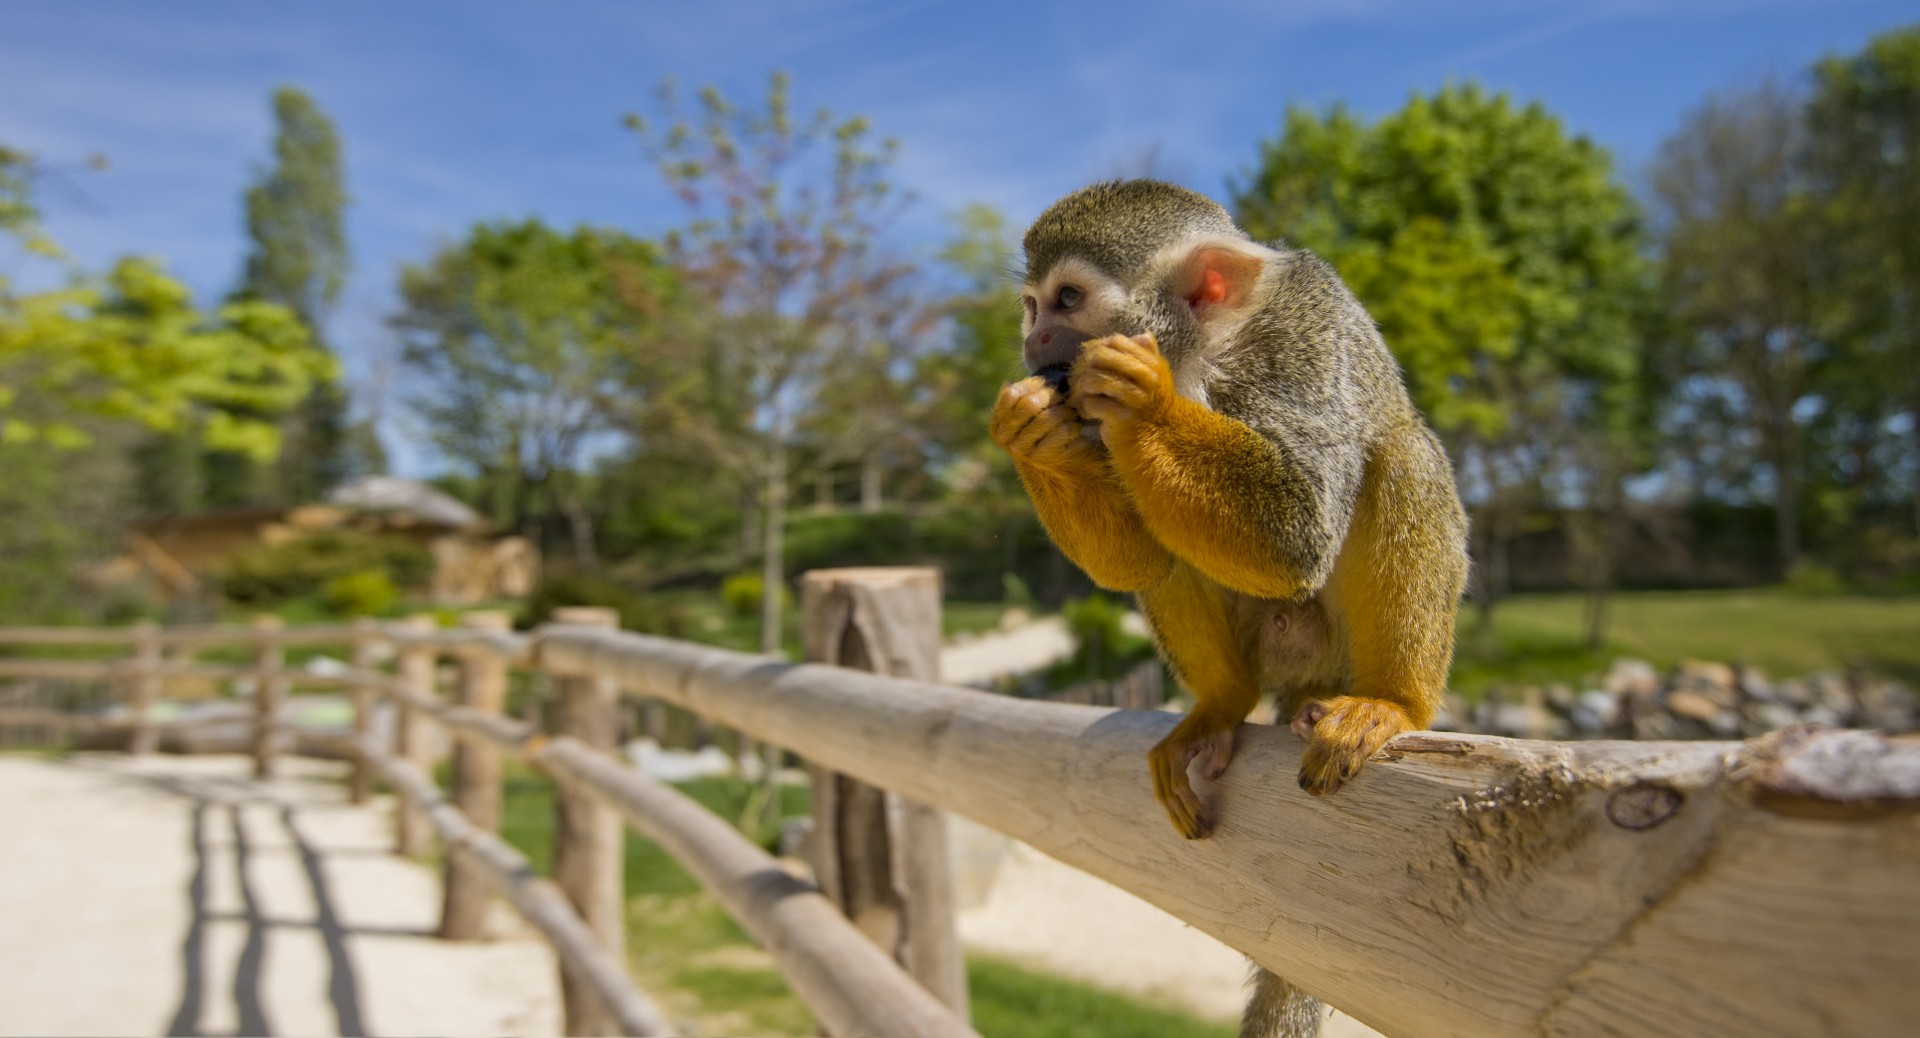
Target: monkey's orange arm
[1227,500]
[1092,522]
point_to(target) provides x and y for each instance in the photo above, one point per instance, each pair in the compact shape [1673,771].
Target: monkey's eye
[1069,297]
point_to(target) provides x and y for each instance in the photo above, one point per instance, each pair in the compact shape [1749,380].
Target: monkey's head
[1134,256]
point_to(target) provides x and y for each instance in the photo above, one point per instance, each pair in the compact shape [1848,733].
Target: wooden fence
[1462,886]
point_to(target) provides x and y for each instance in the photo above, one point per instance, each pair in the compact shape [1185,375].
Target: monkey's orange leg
[1396,598]
[1091,521]
[1189,616]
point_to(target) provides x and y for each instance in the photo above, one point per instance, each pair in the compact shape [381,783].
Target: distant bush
[743,592]
[1102,649]
[1808,577]
[367,592]
[973,546]
[269,574]
[637,611]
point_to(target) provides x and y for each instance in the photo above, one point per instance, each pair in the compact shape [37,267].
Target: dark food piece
[1056,376]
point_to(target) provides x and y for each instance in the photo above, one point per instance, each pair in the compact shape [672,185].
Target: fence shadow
[211,796]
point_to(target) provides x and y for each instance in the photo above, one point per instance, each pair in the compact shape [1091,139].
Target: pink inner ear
[1220,276]
[1213,288]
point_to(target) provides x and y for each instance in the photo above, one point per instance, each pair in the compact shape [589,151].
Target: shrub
[1101,648]
[269,574]
[1808,577]
[743,593]
[567,588]
[366,592]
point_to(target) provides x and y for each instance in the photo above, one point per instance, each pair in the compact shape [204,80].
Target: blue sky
[457,112]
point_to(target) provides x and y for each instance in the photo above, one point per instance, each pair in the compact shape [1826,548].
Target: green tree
[981,355]
[520,339]
[131,345]
[299,259]
[1503,263]
[797,302]
[1865,149]
[1741,242]
[85,365]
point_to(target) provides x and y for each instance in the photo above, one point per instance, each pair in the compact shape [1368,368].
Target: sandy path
[1037,910]
[171,895]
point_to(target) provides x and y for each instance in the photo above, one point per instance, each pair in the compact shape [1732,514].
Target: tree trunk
[823,489]
[749,524]
[580,525]
[773,569]
[1786,490]
[871,475]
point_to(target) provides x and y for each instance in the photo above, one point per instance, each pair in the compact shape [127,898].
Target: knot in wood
[1643,805]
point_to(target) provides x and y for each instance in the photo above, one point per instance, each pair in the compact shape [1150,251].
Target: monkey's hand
[1032,422]
[1201,735]
[1341,734]
[1120,380]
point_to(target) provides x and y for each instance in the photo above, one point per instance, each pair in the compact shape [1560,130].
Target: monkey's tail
[1277,1009]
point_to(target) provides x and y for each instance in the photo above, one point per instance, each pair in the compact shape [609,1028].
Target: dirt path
[172,895]
[1056,917]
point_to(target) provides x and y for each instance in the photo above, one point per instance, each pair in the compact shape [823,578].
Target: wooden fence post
[269,658]
[475,782]
[366,648]
[588,837]
[146,686]
[415,667]
[881,857]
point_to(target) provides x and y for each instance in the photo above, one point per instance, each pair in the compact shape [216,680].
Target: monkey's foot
[1341,734]
[1211,742]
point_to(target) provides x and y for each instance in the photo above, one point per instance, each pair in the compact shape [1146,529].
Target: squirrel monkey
[1216,426]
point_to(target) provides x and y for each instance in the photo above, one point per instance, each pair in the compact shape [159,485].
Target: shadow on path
[220,793]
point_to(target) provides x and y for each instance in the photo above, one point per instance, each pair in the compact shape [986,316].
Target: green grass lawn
[685,951]
[1540,638]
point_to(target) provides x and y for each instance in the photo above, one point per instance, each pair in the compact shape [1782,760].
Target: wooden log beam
[881,856]
[1460,886]
[270,657]
[201,636]
[589,853]
[848,982]
[536,898]
[474,781]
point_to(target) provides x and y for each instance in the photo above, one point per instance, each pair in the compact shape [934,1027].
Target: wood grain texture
[1462,886]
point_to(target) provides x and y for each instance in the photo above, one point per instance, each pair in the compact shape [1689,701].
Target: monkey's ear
[1217,277]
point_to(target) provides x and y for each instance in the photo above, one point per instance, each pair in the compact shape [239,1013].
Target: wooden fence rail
[1461,886]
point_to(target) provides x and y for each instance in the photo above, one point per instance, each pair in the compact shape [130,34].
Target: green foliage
[1102,650]
[294,214]
[1789,634]
[132,346]
[1017,594]
[1016,1002]
[638,612]
[522,337]
[1495,251]
[366,592]
[270,573]
[1807,577]
[961,381]
[975,544]
[744,594]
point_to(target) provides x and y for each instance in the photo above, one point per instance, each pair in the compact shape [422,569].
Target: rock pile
[1697,700]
